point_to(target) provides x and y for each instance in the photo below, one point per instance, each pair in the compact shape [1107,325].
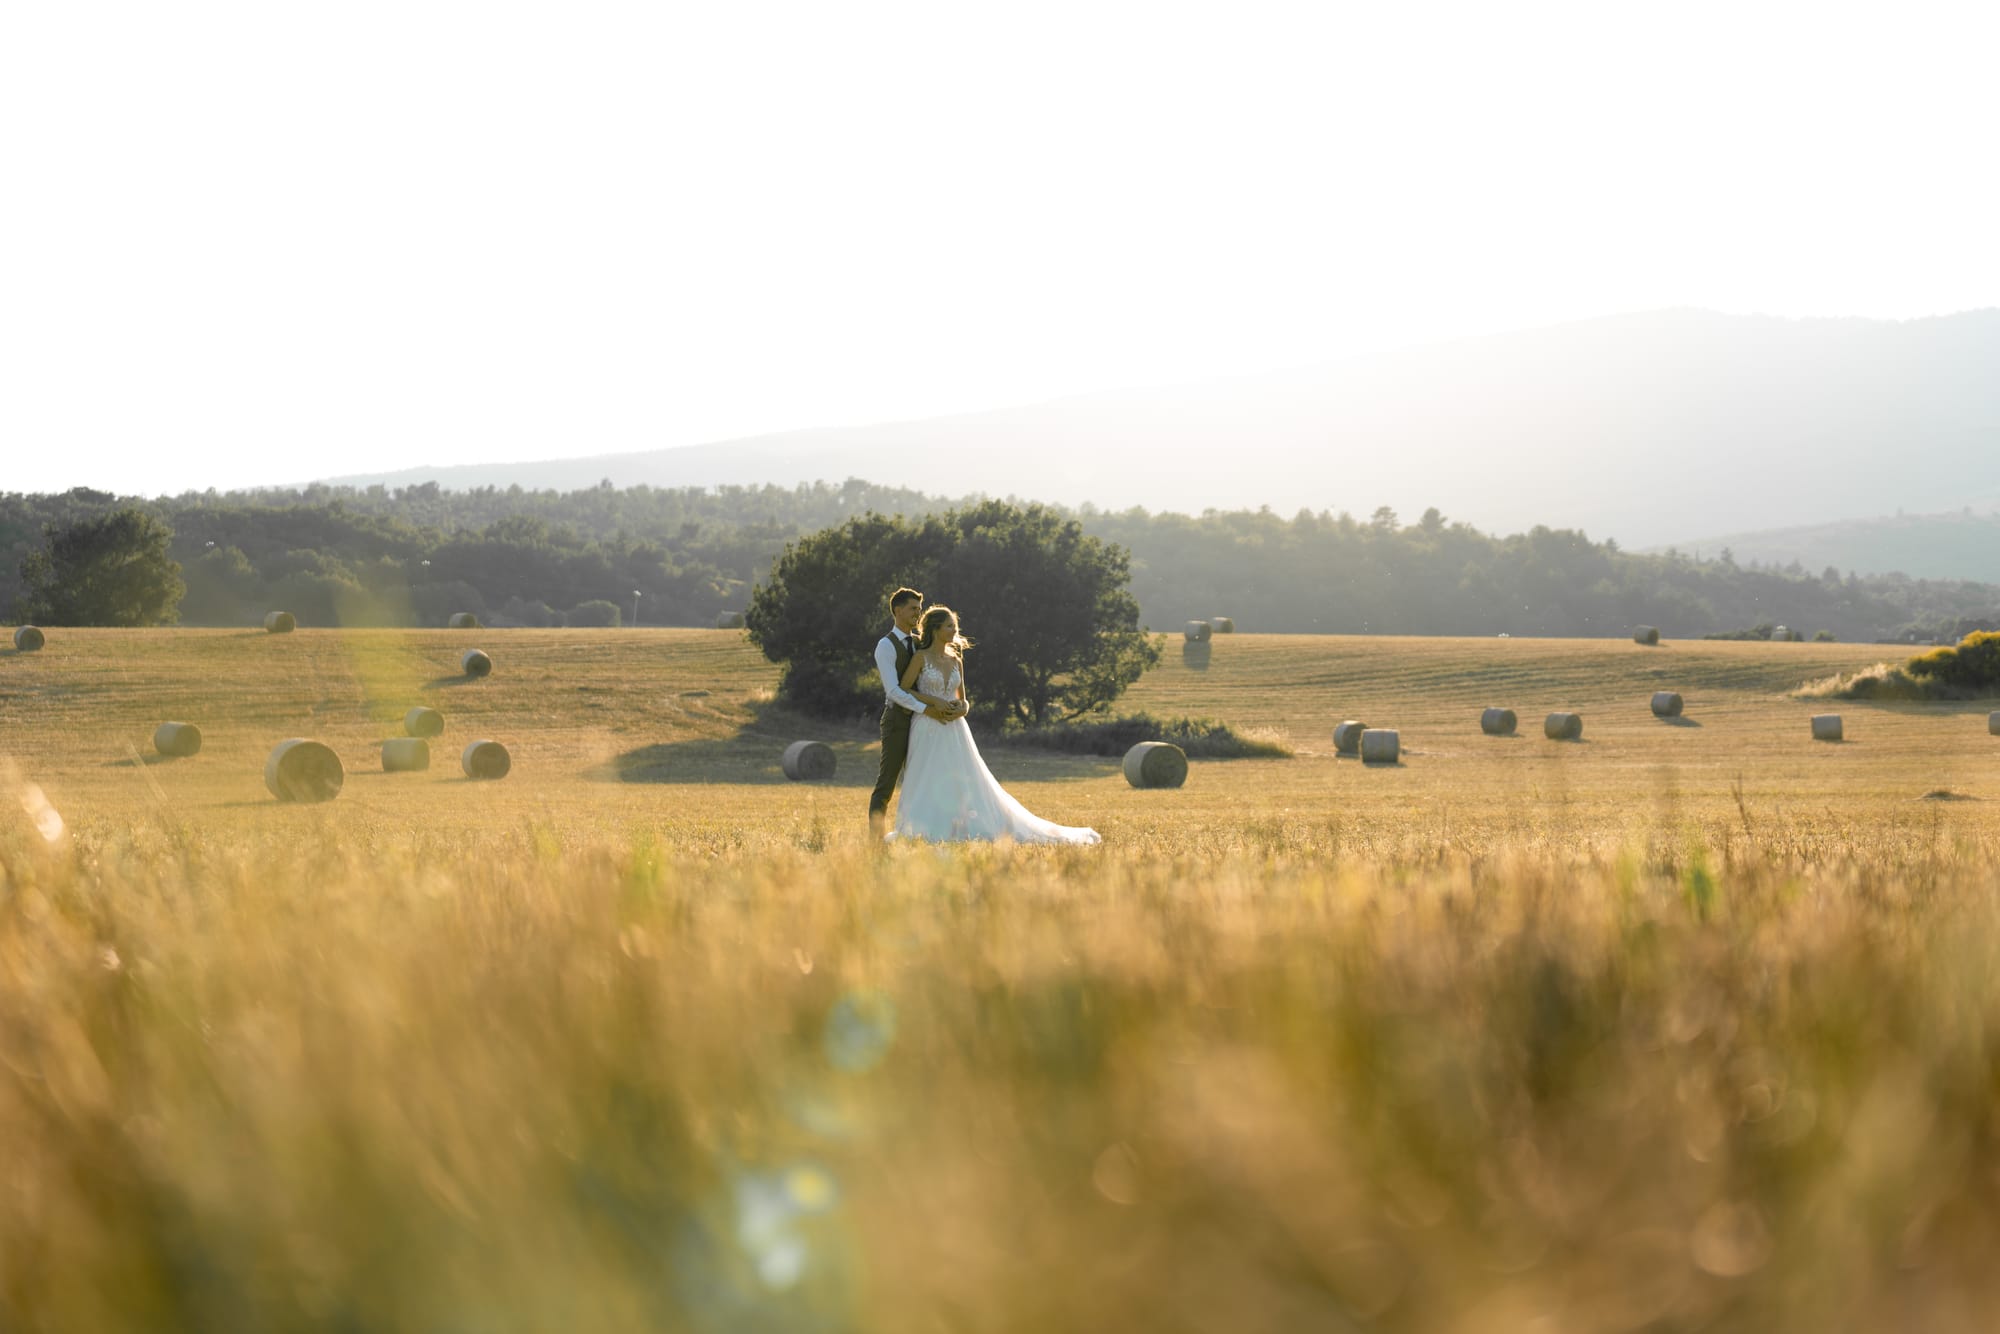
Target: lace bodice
[932,681]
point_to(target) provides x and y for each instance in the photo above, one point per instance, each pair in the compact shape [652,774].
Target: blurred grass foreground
[1698,1083]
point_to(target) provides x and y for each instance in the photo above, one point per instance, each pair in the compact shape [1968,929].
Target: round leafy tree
[1048,604]
[110,569]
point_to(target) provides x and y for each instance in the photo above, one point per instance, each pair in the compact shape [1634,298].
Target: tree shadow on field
[753,754]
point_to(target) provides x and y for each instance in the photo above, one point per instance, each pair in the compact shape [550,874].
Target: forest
[683,556]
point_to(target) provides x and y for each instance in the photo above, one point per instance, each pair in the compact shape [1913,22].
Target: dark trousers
[895,749]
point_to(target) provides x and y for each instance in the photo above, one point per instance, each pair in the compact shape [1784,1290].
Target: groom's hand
[938,714]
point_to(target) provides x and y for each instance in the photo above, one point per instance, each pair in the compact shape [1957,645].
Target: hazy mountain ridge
[1642,427]
[1962,544]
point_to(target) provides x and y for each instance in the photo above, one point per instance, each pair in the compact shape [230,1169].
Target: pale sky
[259,242]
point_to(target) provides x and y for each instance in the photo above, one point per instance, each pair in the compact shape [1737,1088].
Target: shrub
[1199,738]
[596,612]
[1973,664]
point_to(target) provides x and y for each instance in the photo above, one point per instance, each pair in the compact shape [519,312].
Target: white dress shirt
[885,664]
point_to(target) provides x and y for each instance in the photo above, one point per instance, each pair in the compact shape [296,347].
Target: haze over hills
[1645,427]
[1963,544]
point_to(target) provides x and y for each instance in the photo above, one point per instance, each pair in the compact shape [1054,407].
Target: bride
[949,795]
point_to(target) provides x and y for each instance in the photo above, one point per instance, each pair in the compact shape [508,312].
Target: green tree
[107,569]
[1049,602]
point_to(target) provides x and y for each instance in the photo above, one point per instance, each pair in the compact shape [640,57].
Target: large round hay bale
[809,761]
[1381,745]
[421,721]
[1826,727]
[1197,631]
[28,638]
[1223,625]
[475,663]
[1646,634]
[1993,724]
[485,759]
[1156,764]
[1347,737]
[729,620]
[1666,704]
[177,740]
[280,622]
[462,620]
[1563,727]
[301,770]
[1498,722]
[405,755]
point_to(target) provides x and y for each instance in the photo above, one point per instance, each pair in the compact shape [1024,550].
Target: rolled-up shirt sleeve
[885,664]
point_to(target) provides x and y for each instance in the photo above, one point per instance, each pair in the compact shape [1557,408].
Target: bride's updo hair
[941,622]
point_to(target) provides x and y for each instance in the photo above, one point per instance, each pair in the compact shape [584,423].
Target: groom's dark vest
[895,715]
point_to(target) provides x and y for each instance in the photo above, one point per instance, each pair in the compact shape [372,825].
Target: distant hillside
[1959,545]
[412,557]
[1641,427]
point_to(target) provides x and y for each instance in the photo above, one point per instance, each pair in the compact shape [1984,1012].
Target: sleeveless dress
[950,796]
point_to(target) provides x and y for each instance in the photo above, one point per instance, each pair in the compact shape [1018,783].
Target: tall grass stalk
[1696,1081]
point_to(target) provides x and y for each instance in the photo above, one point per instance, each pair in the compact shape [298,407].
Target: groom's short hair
[902,595]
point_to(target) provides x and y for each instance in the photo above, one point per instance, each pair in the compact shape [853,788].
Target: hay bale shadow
[1682,721]
[144,761]
[448,682]
[1197,654]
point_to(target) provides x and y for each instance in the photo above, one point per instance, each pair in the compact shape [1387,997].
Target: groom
[892,659]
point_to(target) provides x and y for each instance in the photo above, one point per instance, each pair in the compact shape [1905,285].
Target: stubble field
[1687,1025]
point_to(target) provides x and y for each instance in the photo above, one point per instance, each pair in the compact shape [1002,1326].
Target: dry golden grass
[1680,1027]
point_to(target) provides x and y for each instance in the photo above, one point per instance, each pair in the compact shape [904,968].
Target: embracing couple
[949,795]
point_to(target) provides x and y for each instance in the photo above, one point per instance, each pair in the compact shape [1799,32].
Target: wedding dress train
[950,796]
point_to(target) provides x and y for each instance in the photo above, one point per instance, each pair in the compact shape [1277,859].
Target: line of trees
[411,556]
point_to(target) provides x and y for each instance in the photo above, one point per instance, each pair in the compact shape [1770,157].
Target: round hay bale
[1646,634]
[1498,722]
[1197,631]
[1347,737]
[1563,727]
[1666,704]
[301,770]
[177,740]
[1993,724]
[809,761]
[1826,727]
[462,620]
[1223,625]
[475,663]
[485,759]
[729,620]
[405,755]
[421,721]
[1380,745]
[280,622]
[28,638]
[1156,764]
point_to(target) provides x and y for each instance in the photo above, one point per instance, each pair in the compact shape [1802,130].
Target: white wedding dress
[950,796]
